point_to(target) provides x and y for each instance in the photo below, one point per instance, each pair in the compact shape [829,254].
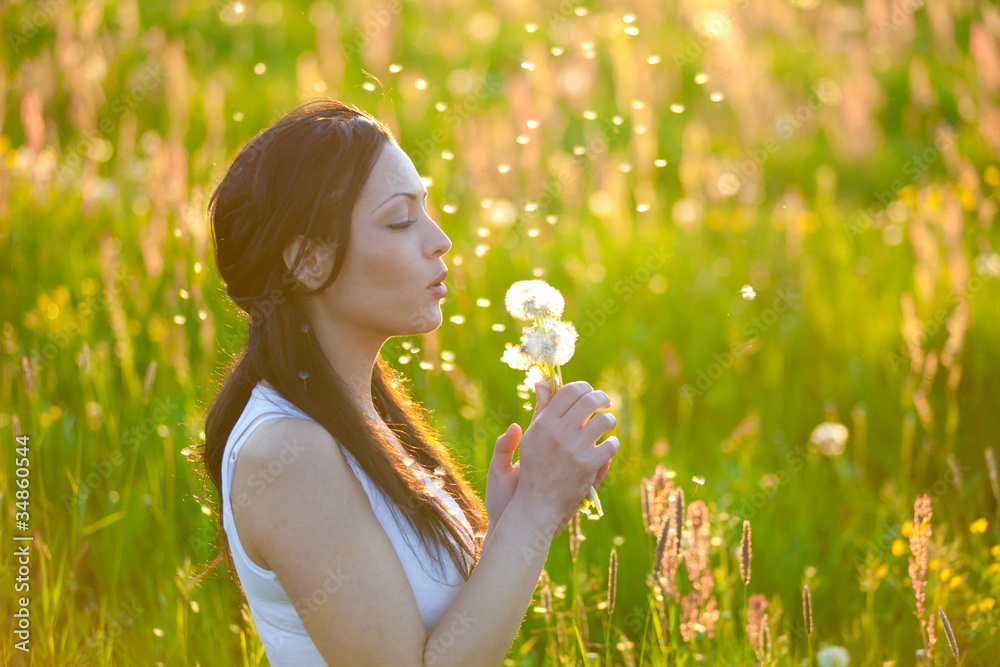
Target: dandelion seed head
[515,357]
[527,299]
[748,292]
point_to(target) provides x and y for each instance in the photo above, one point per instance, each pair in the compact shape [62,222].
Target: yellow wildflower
[945,574]
[898,547]
[986,604]
[978,526]
[934,563]
[907,527]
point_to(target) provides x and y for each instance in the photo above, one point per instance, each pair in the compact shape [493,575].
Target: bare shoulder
[281,453]
[311,521]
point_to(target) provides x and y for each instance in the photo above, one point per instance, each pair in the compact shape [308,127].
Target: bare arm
[482,621]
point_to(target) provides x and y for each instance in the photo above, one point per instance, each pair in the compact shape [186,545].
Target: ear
[316,264]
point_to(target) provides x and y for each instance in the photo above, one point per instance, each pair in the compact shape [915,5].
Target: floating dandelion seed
[830,437]
[677,108]
[748,293]
[698,479]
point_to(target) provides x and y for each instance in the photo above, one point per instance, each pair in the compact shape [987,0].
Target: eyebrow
[399,194]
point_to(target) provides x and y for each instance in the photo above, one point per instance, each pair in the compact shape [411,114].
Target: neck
[351,351]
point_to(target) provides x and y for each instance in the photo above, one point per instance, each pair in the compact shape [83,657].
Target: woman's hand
[501,481]
[561,459]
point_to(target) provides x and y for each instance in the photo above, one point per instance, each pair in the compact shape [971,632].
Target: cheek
[375,269]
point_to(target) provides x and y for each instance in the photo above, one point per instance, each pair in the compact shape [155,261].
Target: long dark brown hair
[302,176]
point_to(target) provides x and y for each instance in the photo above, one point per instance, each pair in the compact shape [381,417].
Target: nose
[442,243]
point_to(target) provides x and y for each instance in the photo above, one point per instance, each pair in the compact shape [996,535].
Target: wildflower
[898,547]
[534,376]
[830,437]
[528,299]
[978,526]
[696,555]
[656,495]
[678,509]
[517,358]
[553,346]
[756,607]
[612,580]
[833,656]
[920,546]
[745,553]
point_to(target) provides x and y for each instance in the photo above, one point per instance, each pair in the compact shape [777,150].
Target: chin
[426,321]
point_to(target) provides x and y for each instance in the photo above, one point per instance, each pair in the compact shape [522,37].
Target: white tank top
[278,625]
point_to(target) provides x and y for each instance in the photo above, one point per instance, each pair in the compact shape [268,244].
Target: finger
[602,473]
[583,411]
[567,396]
[506,444]
[599,425]
[601,454]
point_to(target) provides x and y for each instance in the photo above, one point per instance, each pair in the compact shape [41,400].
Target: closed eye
[402,225]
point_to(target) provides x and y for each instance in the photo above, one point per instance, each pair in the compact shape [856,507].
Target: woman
[329,515]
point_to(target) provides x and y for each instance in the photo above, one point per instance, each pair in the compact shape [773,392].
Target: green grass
[99,255]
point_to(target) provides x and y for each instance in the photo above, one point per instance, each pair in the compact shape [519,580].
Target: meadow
[649,160]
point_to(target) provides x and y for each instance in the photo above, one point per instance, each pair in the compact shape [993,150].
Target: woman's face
[393,255]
